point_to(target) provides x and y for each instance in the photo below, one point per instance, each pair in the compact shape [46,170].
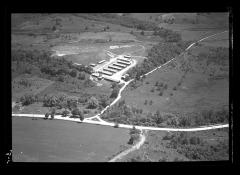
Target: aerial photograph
[120,87]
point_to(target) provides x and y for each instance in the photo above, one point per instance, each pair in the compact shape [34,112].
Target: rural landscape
[120,87]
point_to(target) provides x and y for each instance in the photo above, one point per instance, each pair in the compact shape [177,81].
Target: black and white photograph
[120,87]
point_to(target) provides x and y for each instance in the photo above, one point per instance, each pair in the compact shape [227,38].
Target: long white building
[110,70]
[124,59]
[120,65]
[105,73]
[122,62]
[115,67]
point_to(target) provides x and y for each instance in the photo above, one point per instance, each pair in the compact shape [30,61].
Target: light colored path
[133,148]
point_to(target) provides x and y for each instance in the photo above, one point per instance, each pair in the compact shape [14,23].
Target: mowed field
[61,141]
[197,90]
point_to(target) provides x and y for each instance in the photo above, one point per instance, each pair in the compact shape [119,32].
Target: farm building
[126,63]
[111,79]
[124,59]
[115,67]
[100,62]
[119,65]
[127,56]
[92,65]
[105,73]
[110,70]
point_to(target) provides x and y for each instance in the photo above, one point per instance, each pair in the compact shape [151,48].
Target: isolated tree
[142,32]
[114,92]
[52,112]
[114,85]
[54,28]
[47,115]
[76,113]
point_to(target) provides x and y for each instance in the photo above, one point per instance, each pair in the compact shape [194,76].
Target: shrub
[85,111]
[160,94]
[116,125]
[175,88]
[50,101]
[104,101]
[158,118]
[152,90]
[72,102]
[168,136]
[25,82]
[65,113]
[151,102]
[93,103]
[27,99]
[46,115]
[133,138]
[81,76]
[61,78]
[147,82]
[165,86]
[145,102]
[142,32]
[194,140]
[76,113]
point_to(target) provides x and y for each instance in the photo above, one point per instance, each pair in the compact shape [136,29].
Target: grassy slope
[196,91]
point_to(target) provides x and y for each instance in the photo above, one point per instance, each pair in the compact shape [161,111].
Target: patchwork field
[60,141]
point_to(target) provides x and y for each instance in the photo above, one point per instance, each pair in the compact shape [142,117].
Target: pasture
[193,84]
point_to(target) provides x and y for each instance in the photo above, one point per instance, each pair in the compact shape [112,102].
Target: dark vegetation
[41,62]
[120,20]
[167,35]
[125,114]
[195,148]
[134,136]
[157,55]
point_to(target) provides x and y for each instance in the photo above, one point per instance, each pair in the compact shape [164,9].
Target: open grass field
[156,147]
[204,86]
[60,141]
